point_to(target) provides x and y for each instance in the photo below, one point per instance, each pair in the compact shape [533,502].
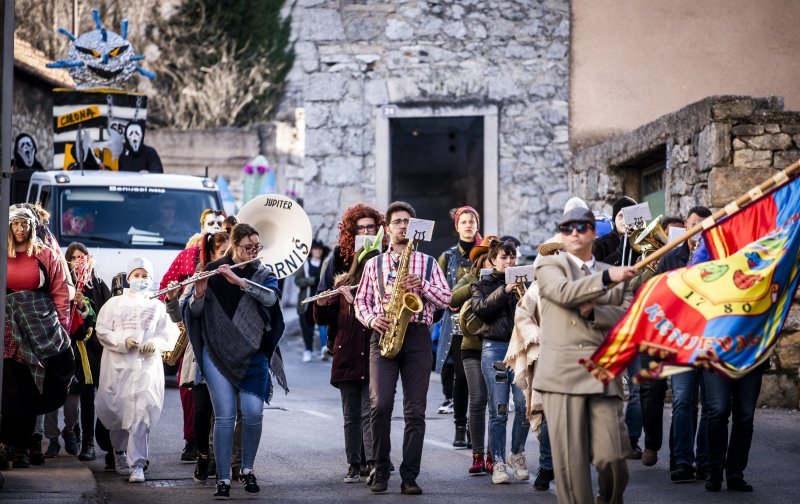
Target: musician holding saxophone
[400,273]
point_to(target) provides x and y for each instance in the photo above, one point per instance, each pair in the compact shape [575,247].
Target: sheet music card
[486,271]
[420,229]
[675,233]
[636,215]
[363,240]
[516,274]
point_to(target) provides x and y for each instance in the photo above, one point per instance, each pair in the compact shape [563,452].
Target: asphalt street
[301,457]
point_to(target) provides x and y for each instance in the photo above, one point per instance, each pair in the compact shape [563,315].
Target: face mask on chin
[140,284]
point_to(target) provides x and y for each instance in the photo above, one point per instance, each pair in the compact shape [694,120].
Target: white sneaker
[137,474]
[446,407]
[121,463]
[306,355]
[499,475]
[519,466]
[324,356]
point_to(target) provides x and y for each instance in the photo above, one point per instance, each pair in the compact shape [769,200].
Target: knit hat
[575,202]
[139,263]
[621,203]
[456,212]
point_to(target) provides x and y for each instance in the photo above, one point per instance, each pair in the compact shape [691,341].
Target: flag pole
[774,182]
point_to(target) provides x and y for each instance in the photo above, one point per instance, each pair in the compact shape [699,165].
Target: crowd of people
[74,346]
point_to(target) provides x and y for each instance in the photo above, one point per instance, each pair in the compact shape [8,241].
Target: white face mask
[26,151]
[214,226]
[134,136]
[140,284]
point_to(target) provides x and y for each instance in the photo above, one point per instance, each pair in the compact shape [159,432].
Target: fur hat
[139,263]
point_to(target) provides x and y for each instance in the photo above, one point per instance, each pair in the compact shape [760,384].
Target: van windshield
[128,217]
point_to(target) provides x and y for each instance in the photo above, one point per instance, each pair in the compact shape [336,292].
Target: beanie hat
[139,263]
[621,203]
[456,213]
[575,202]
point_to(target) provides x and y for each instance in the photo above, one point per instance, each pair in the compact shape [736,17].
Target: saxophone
[402,305]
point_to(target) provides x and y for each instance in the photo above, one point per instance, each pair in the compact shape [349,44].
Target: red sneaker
[489,463]
[478,465]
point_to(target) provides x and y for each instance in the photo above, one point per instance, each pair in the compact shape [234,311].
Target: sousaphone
[283,228]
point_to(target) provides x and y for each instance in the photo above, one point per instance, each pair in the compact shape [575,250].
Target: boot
[714,481]
[87,451]
[21,459]
[36,455]
[478,465]
[460,441]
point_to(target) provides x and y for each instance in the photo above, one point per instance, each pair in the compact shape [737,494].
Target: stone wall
[715,150]
[356,56]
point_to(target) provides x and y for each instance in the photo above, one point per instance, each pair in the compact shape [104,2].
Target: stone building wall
[33,113]
[715,150]
[356,56]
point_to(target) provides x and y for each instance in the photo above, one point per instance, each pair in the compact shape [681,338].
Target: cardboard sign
[519,274]
[675,233]
[420,229]
[635,216]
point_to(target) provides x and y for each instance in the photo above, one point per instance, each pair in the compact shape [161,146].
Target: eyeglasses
[368,227]
[580,227]
[398,222]
[252,249]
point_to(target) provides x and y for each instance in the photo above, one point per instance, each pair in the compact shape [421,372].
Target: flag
[725,313]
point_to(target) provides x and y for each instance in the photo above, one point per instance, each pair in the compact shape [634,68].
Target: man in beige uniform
[579,303]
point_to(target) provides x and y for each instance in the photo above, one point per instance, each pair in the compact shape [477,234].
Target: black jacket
[608,249]
[674,259]
[494,306]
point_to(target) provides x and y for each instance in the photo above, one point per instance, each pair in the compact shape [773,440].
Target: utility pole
[6,103]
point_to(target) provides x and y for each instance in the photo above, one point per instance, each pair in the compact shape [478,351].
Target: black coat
[674,259]
[494,306]
[350,339]
[97,295]
[608,249]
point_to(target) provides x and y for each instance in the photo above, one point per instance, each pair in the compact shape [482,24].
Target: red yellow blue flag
[725,313]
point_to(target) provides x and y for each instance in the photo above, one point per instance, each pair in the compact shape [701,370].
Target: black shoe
[380,482]
[365,469]
[701,474]
[36,454]
[21,460]
[189,452]
[201,469]
[738,484]
[250,485]
[410,487]
[543,479]
[223,491]
[391,467]
[5,457]
[212,465]
[636,452]
[682,474]
[714,480]
[235,469]
[70,443]
[87,452]
[110,463]
[460,440]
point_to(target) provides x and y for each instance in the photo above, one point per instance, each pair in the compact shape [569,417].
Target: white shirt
[580,263]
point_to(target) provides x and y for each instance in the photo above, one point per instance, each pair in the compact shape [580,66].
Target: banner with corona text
[725,313]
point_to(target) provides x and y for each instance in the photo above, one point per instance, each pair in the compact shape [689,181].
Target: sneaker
[110,462]
[121,463]
[500,476]
[365,469]
[250,485]
[201,468]
[738,484]
[543,479]
[489,463]
[519,466]
[701,473]
[52,449]
[353,475]
[212,465]
[649,457]
[636,452]
[223,490]
[70,443]
[478,465]
[324,356]
[682,474]
[21,459]
[235,472]
[137,474]
[446,408]
[306,355]
[410,487]
[380,481]
[189,453]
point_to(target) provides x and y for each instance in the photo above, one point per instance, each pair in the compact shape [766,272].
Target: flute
[200,276]
[323,295]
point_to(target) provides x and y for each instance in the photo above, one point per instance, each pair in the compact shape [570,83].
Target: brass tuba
[402,305]
[650,239]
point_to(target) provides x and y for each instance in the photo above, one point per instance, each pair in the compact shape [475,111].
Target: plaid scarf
[35,329]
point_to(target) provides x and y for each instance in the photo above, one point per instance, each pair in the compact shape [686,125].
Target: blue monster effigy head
[101,58]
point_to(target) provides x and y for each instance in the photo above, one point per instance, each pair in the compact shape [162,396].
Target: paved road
[301,458]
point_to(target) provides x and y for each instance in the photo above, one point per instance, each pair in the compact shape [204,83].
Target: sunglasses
[580,227]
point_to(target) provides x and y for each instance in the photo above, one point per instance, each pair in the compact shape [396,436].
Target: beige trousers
[587,429]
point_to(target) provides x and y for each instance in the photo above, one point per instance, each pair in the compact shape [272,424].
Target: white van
[125,214]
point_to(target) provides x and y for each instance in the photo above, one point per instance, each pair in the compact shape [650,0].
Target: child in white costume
[134,330]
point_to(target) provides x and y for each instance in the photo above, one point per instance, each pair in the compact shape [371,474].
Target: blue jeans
[736,399]
[499,385]
[545,453]
[223,398]
[685,389]
[633,412]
